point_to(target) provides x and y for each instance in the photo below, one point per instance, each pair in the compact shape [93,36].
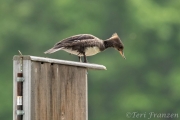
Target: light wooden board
[64,62]
[26,87]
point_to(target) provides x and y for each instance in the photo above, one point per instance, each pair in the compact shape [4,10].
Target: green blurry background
[147,81]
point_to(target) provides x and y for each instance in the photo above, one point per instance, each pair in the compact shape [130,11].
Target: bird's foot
[79,58]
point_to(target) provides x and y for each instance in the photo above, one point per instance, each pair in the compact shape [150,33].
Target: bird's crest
[115,35]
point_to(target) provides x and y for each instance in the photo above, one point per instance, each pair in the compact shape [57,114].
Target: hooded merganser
[87,45]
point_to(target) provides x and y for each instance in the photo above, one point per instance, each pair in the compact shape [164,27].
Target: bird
[87,45]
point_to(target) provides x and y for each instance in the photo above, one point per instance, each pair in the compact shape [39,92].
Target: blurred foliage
[147,81]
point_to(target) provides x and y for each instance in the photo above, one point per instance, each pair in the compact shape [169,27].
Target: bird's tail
[52,50]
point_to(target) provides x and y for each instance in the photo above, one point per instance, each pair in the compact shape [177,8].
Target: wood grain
[51,91]
[58,92]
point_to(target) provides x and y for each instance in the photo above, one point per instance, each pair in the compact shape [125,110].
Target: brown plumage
[87,45]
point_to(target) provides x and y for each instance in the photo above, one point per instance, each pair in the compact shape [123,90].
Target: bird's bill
[122,54]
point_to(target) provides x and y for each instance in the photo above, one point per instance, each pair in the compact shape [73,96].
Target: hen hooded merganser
[87,45]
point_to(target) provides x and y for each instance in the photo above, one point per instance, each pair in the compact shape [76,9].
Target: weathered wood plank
[27,89]
[64,62]
[52,91]
[79,92]
[63,83]
[16,69]
[56,96]
[35,82]
[58,92]
[44,92]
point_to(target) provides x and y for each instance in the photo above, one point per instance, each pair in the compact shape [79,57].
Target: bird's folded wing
[76,38]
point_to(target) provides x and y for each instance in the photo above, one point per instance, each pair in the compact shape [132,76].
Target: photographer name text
[150,115]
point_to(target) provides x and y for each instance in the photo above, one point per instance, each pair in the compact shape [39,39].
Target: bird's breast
[89,51]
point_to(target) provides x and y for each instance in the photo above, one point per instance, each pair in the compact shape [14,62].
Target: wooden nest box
[50,89]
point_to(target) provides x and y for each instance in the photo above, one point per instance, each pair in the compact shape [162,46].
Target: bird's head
[117,44]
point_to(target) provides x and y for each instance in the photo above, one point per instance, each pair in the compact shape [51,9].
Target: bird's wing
[75,38]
